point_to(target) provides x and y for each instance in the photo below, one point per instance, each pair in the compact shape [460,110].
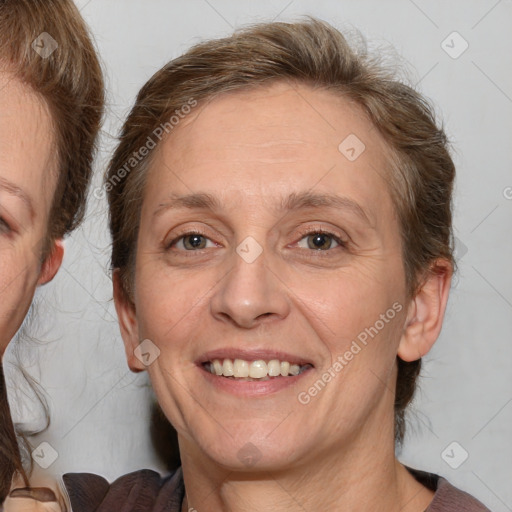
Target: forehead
[26,140]
[273,140]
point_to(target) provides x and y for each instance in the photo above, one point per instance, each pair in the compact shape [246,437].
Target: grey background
[99,410]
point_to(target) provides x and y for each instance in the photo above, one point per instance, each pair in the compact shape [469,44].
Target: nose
[250,294]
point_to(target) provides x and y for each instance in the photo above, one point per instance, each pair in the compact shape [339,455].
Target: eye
[320,240]
[4,227]
[190,241]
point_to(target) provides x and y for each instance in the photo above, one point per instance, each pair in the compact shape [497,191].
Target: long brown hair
[10,460]
[70,83]
[421,170]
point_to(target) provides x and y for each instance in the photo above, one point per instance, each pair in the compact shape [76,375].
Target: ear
[426,312]
[127,318]
[52,263]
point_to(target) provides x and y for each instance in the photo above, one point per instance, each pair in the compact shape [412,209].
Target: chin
[250,449]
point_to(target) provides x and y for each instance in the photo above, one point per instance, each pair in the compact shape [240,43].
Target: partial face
[27,182]
[262,241]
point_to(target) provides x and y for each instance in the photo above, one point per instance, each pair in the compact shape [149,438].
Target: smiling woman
[291,234]
[51,102]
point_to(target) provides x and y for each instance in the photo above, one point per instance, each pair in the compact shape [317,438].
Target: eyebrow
[293,202]
[14,190]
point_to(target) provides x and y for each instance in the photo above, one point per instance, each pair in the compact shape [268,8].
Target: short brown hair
[310,52]
[70,83]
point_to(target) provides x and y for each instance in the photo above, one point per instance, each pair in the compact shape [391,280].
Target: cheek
[168,303]
[346,302]
[18,277]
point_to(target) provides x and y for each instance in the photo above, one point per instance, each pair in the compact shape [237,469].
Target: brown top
[147,491]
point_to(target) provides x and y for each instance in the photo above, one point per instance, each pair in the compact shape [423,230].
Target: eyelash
[342,244]
[4,226]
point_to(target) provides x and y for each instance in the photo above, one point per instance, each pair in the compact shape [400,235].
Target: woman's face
[295,254]
[27,183]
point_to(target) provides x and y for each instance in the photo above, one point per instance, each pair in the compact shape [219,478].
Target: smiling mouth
[259,370]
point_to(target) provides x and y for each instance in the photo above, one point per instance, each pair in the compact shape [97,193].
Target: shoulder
[447,498]
[143,490]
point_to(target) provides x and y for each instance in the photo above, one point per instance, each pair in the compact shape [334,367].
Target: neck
[359,478]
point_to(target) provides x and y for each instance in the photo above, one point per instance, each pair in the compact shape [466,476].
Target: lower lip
[254,388]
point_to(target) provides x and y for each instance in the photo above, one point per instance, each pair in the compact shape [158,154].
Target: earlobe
[52,263]
[426,313]
[127,322]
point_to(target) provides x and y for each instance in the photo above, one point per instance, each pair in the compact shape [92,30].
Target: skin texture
[250,149]
[39,499]
[27,185]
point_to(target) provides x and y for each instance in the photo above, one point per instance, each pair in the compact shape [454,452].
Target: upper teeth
[253,369]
